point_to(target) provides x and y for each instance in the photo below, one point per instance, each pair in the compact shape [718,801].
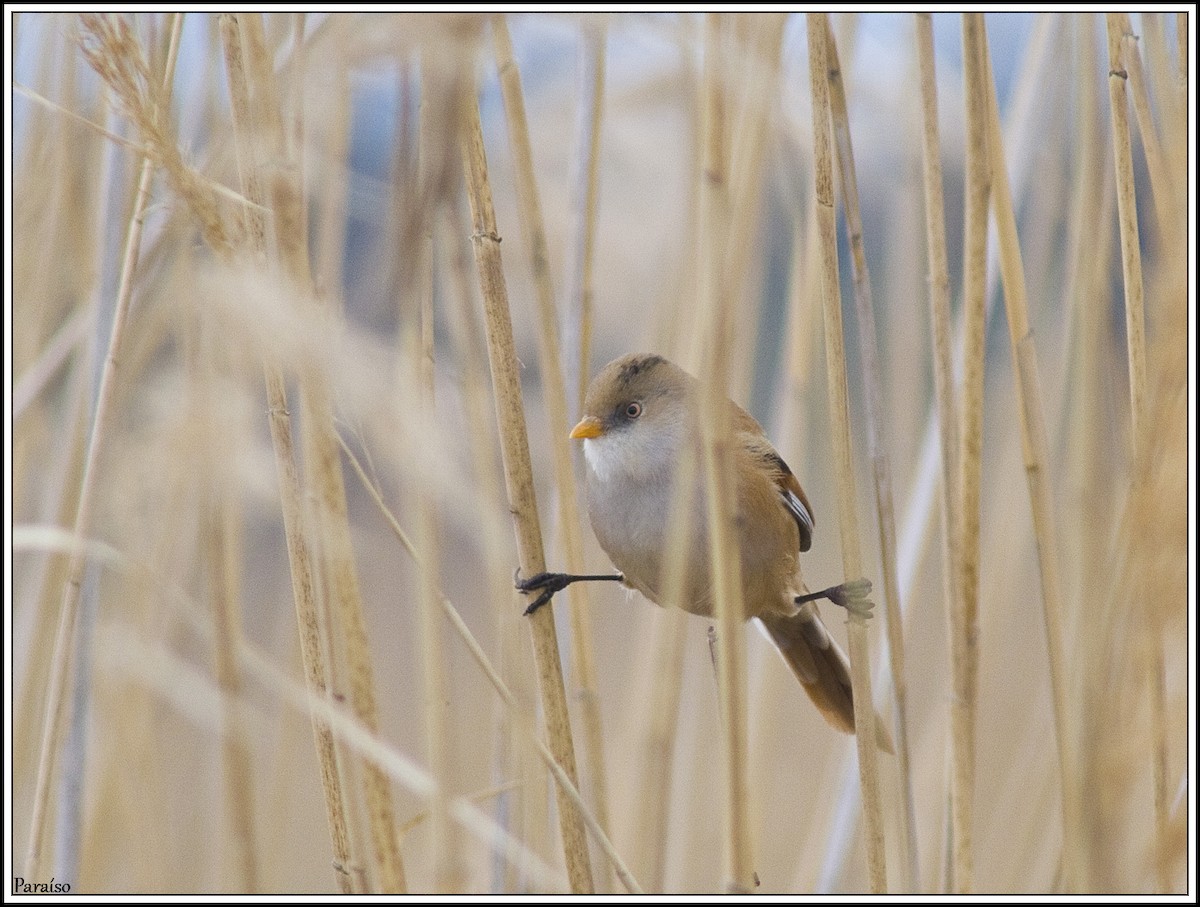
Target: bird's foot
[546,584]
[850,595]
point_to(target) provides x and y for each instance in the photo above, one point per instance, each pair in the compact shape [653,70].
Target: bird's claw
[545,583]
[850,595]
[853,597]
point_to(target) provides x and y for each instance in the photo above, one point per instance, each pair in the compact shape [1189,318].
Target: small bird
[640,413]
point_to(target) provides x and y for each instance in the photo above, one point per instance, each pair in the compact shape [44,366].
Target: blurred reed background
[251,373]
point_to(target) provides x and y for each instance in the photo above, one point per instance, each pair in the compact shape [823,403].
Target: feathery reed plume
[114,51]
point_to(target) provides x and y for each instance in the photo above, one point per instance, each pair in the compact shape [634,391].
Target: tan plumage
[639,412]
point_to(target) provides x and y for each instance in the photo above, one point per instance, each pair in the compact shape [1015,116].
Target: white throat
[605,457]
[632,453]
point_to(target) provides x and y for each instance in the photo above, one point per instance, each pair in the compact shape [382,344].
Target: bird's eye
[633,410]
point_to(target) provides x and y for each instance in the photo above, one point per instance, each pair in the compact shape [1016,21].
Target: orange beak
[588,427]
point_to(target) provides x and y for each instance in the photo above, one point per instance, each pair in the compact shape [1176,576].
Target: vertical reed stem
[518,478]
[835,358]
[556,390]
[939,316]
[965,630]
[881,470]
[1167,214]
[62,663]
[1037,472]
[449,873]
[1135,331]
[291,496]
[727,226]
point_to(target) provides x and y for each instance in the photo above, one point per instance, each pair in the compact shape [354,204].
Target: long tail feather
[821,667]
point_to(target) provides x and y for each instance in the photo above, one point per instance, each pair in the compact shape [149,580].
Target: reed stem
[556,390]
[292,500]
[835,359]
[1135,332]
[1037,471]
[518,480]
[881,470]
[965,627]
[59,694]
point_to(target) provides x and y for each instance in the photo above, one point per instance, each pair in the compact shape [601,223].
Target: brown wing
[796,503]
[790,492]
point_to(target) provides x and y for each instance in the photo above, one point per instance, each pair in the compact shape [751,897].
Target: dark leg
[852,596]
[549,583]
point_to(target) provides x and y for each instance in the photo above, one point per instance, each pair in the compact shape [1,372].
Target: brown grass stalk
[325,475]
[1168,217]
[1037,471]
[518,477]
[512,761]
[556,389]
[1090,263]
[223,537]
[965,626]
[576,371]
[1131,259]
[507,697]
[717,230]
[298,544]
[881,470]
[939,316]
[62,661]
[652,812]
[939,295]
[1135,330]
[449,873]
[181,686]
[578,328]
[835,357]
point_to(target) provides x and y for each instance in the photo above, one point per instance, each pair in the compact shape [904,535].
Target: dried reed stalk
[939,316]
[114,52]
[555,389]
[577,341]
[223,535]
[582,244]
[716,210]
[939,298]
[835,358]
[651,813]
[506,695]
[1131,259]
[449,873]
[398,766]
[325,476]
[881,470]
[965,625]
[518,479]
[1135,330]
[512,761]
[1037,472]
[1168,217]
[297,534]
